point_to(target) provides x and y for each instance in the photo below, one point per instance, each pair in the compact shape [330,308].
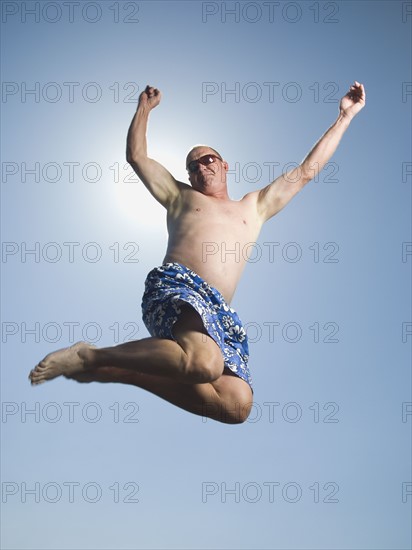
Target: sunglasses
[193,166]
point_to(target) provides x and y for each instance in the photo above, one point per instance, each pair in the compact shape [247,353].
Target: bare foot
[66,361]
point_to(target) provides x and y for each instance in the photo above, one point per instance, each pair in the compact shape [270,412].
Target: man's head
[207,170]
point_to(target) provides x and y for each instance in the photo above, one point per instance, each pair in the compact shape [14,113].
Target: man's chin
[208,179]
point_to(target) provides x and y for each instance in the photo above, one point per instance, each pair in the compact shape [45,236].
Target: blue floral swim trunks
[172,285]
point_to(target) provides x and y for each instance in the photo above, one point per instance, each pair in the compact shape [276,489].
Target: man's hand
[149,98]
[353,101]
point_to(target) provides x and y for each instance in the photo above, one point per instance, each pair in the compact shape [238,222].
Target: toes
[36,371]
[36,375]
[38,379]
[37,382]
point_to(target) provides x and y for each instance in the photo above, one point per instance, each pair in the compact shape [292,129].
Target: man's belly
[219,265]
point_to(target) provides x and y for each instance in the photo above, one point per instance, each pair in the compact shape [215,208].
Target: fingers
[149,98]
[151,91]
[357,87]
[357,91]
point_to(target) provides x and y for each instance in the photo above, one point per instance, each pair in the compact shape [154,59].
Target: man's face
[207,178]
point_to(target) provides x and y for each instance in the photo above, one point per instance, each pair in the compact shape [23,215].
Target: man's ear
[226,166]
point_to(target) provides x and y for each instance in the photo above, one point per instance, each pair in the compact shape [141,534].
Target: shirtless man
[197,355]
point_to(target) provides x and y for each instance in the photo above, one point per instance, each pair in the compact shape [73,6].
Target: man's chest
[197,209]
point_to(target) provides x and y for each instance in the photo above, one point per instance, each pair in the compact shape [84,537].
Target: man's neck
[221,195]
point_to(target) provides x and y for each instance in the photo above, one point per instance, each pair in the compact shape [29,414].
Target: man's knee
[235,412]
[236,399]
[204,366]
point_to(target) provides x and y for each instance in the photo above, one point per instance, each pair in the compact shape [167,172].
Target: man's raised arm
[277,194]
[159,181]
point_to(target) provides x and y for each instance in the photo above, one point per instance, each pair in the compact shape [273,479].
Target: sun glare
[132,198]
[135,202]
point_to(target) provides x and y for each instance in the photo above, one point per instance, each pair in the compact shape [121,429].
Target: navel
[197,209]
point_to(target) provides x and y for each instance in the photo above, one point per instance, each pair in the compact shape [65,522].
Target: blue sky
[324,461]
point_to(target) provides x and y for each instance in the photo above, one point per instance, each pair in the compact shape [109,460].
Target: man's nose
[204,168]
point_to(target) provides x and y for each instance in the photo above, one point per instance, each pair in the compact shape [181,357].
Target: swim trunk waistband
[172,285]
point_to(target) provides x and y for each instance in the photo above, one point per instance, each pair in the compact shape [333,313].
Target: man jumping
[197,355]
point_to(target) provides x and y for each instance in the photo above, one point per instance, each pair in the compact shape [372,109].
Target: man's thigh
[190,333]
